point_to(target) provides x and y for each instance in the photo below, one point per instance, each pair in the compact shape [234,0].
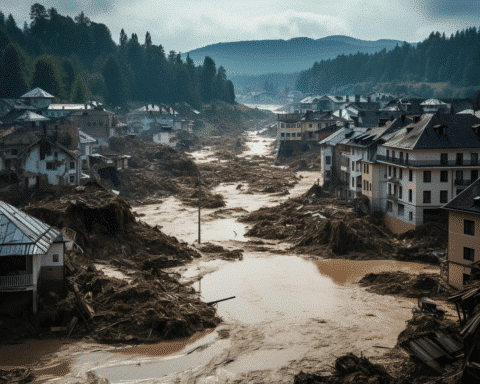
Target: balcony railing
[428,163]
[392,196]
[15,281]
[462,182]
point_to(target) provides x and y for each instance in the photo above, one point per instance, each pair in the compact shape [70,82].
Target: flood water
[288,313]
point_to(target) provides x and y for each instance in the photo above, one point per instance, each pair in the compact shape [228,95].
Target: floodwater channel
[289,313]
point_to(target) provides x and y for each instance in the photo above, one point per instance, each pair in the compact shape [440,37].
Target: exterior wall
[327,169]
[457,240]
[396,225]
[94,123]
[165,138]
[289,131]
[60,175]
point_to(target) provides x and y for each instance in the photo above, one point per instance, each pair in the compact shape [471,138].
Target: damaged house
[31,254]
[43,162]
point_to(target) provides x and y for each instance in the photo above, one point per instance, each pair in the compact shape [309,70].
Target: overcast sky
[183,25]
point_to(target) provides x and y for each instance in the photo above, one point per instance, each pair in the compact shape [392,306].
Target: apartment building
[426,164]
[289,126]
[463,234]
[369,175]
[331,156]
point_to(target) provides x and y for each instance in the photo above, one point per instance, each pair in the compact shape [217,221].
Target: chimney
[369,99]
[357,98]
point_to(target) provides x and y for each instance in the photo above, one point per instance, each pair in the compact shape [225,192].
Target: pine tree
[114,82]
[148,39]
[78,92]
[13,84]
[207,80]
[123,38]
[45,77]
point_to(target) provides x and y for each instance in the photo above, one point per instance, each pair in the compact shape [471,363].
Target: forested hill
[284,56]
[77,60]
[438,59]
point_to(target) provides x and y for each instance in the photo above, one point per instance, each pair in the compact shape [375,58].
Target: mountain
[284,56]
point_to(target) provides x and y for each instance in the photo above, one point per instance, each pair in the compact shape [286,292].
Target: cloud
[450,9]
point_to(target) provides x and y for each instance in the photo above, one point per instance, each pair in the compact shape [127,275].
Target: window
[466,278]
[459,175]
[55,258]
[443,176]
[394,172]
[72,179]
[310,135]
[50,166]
[388,154]
[353,182]
[406,158]
[474,175]
[72,165]
[459,159]
[14,151]
[459,191]
[55,154]
[389,188]
[393,154]
[444,159]
[400,192]
[468,254]
[474,158]
[410,175]
[400,173]
[389,206]
[328,160]
[353,166]
[310,125]
[281,135]
[443,197]
[401,210]
[427,197]
[401,157]
[327,174]
[389,171]
[410,195]
[287,134]
[469,227]
[283,125]
[427,176]
[410,216]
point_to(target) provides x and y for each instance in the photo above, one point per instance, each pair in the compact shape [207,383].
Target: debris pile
[16,375]
[349,369]
[319,224]
[405,284]
[146,303]
[220,252]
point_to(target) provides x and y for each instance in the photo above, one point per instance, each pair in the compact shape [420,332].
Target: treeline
[454,59]
[77,60]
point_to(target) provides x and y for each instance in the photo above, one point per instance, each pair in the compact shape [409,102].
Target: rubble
[220,252]
[349,369]
[16,375]
[149,305]
[321,225]
[406,285]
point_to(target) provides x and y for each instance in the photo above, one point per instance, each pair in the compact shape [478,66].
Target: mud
[407,285]
[321,225]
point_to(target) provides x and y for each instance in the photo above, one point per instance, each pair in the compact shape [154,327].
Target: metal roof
[37,93]
[22,234]
[84,138]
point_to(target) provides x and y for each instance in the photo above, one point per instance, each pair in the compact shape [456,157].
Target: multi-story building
[97,123]
[426,164]
[331,156]
[289,126]
[463,234]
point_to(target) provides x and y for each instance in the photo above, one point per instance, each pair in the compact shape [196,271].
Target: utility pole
[199,205]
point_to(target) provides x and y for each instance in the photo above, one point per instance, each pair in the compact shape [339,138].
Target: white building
[38,98]
[31,253]
[166,136]
[426,164]
[85,146]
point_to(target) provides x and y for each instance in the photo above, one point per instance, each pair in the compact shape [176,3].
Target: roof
[336,137]
[464,201]
[70,107]
[85,139]
[421,135]
[433,102]
[22,234]
[162,108]
[20,116]
[37,93]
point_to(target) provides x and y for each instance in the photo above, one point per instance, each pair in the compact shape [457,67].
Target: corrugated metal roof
[22,234]
[38,93]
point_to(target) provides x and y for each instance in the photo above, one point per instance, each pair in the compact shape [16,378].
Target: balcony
[462,182]
[392,196]
[427,163]
[15,281]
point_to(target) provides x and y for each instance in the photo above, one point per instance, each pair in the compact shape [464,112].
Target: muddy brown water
[290,312]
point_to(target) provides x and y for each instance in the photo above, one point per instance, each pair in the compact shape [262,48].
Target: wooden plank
[71,326]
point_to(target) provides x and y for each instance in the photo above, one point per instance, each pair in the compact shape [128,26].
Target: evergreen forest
[76,60]
[453,60]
